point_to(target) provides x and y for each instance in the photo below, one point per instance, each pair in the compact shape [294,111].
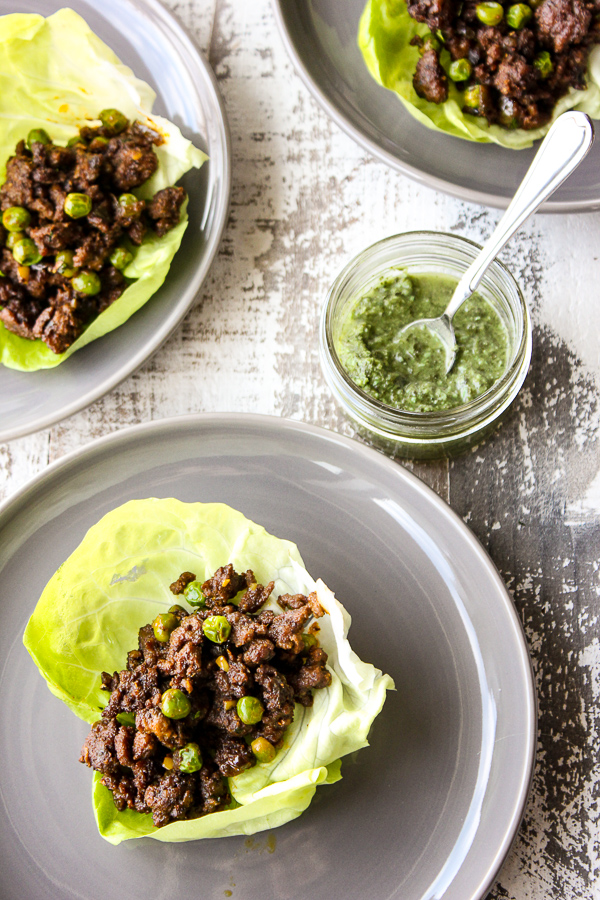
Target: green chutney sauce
[409,371]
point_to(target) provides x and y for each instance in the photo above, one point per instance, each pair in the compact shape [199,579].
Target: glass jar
[441,432]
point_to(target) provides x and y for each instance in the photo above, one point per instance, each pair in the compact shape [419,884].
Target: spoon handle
[561,151]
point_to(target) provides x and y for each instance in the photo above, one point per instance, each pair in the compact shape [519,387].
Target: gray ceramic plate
[428,811]
[320,36]
[146,37]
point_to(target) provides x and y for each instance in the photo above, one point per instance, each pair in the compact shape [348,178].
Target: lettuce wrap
[56,74]
[117,580]
[384,36]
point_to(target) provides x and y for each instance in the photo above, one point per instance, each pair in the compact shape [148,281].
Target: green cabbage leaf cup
[56,74]
[117,580]
[384,37]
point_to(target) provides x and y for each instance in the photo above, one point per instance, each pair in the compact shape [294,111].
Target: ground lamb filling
[206,695]
[512,61]
[70,269]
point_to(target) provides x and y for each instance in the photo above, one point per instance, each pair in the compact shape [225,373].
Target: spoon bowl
[561,151]
[443,330]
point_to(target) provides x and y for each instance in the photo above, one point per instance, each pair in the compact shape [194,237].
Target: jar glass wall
[441,432]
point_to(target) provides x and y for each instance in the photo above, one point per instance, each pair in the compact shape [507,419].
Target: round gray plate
[321,37]
[428,811]
[149,40]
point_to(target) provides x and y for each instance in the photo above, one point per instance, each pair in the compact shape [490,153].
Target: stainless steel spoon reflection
[561,151]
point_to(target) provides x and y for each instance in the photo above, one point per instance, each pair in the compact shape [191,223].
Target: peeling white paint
[588,505]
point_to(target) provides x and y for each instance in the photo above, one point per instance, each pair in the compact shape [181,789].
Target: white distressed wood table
[305,199]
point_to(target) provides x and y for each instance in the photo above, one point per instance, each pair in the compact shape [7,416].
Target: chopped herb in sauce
[408,371]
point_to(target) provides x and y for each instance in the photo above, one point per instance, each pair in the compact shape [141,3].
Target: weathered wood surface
[305,199]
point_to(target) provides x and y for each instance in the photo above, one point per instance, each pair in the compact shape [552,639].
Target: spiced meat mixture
[70,225]
[206,695]
[511,61]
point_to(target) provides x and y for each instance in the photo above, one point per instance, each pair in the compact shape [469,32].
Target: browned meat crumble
[143,753]
[40,301]
[516,74]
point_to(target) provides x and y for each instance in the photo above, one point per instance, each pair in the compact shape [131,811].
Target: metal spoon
[561,151]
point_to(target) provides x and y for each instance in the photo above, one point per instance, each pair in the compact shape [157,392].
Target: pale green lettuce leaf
[56,74]
[117,580]
[384,36]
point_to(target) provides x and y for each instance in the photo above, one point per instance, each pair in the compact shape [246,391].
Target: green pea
[176,608]
[216,629]
[460,70]
[250,710]
[126,718]
[543,63]
[86,283]
[163,625]
[175,704]
[190,758]
[63,263]
[309,641]
[489,12]
[193,594]
[518,15]
[13,238]
[472,97]
[38,136]
[128,202]
[99,141]
[16,218]
[121,257]
[113,120]
[26,252]
[77,205]
[263,750]
[74,141]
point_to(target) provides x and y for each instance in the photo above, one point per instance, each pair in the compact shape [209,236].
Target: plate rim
[168,22]
[85,454]
[431,181]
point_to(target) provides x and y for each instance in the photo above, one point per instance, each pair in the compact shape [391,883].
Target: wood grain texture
[305,199]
